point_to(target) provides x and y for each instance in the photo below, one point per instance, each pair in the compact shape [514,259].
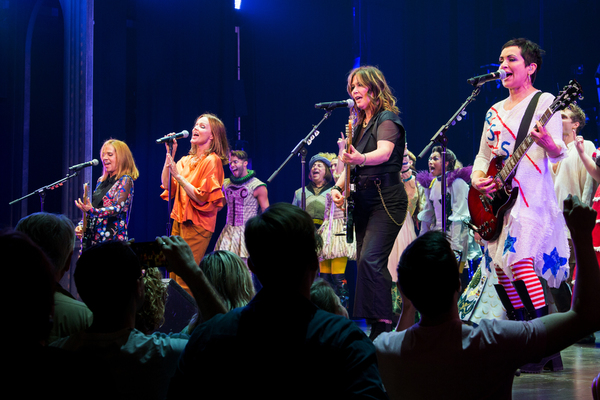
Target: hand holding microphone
[173,136]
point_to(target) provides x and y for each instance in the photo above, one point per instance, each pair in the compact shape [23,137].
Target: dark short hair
[428,273]
[531,52]
[240,154]
[54,233]
[35,304]
[106,276]
[450,157]
[282,243]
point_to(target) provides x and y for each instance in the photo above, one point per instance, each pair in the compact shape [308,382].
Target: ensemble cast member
[320,184]
[108,211]
[457,208]
[336,251]
[408,233]
[244,194]
[196,182]
[380,199]
[533,240]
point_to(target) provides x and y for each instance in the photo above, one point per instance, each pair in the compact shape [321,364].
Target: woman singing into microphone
[196,181]
[380,199]
[108,212]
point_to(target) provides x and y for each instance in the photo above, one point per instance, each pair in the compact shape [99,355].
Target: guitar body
[487,215]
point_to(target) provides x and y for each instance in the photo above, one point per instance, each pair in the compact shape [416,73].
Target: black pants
[375,236]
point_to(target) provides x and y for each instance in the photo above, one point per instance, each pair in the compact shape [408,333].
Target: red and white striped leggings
[523,270]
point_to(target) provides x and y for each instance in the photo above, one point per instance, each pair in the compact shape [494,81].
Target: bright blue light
[238,3]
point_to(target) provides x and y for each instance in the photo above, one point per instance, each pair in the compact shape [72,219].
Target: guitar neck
[518,154]
[347,166]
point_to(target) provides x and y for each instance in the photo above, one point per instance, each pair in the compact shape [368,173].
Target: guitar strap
[526,121]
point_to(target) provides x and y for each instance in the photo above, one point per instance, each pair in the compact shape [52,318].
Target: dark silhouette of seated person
[36,369]
[55,234]
[109,277]
[433,358]
[280,340]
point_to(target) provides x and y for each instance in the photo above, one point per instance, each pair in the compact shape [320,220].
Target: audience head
[55,234]
[428,274]
[230,277]
[152,314]
[33,316]
[283,245]
[108,276]
[324,297]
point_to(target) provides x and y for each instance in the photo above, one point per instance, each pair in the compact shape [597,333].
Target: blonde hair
[152,315]
[229,276]
[219,144]
[377,89]
[125,161]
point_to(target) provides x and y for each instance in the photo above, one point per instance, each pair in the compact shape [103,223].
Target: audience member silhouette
[280,340]
[36,369]
[141,364]
[442,348]
[55,234]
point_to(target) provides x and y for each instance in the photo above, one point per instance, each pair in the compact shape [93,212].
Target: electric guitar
[487,215]
[84,219]
[348,189]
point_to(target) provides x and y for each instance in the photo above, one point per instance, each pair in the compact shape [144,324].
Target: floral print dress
[109,222]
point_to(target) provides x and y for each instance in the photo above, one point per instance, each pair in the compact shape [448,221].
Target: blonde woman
[110,206]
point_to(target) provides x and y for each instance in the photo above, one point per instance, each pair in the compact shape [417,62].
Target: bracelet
[364,162]
[339,189]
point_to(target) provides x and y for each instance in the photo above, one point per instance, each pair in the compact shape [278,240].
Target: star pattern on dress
[488,260]
[509,244]
[553,262]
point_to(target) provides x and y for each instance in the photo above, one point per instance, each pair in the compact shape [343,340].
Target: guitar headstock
[349,129]
[570,94]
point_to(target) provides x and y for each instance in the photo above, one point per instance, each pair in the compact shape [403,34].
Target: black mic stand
[170,201]
[42,191]
[441,138]
[301,151]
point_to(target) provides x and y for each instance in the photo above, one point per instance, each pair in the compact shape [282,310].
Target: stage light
[238,3]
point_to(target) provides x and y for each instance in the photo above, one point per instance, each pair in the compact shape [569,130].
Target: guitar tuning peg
[453,123]
[464,112]
[459,118]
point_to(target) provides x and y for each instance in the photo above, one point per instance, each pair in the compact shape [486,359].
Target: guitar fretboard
[518,154]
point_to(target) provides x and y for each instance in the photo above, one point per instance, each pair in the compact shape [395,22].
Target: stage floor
[581,365]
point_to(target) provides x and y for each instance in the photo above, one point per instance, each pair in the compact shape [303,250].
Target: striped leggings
[523,270]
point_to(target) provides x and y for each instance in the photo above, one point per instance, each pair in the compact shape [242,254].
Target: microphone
[481,79]
[335,104]
[180,135]
[81,166]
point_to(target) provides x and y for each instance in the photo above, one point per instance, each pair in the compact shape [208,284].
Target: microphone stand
[441,138]
[170,201]
[300,150]
[42,191]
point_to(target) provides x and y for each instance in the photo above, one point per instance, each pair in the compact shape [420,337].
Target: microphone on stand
[180,135]
[335,104]
[81,166]
[481,79]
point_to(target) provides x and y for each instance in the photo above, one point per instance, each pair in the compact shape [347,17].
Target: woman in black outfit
[380,199]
